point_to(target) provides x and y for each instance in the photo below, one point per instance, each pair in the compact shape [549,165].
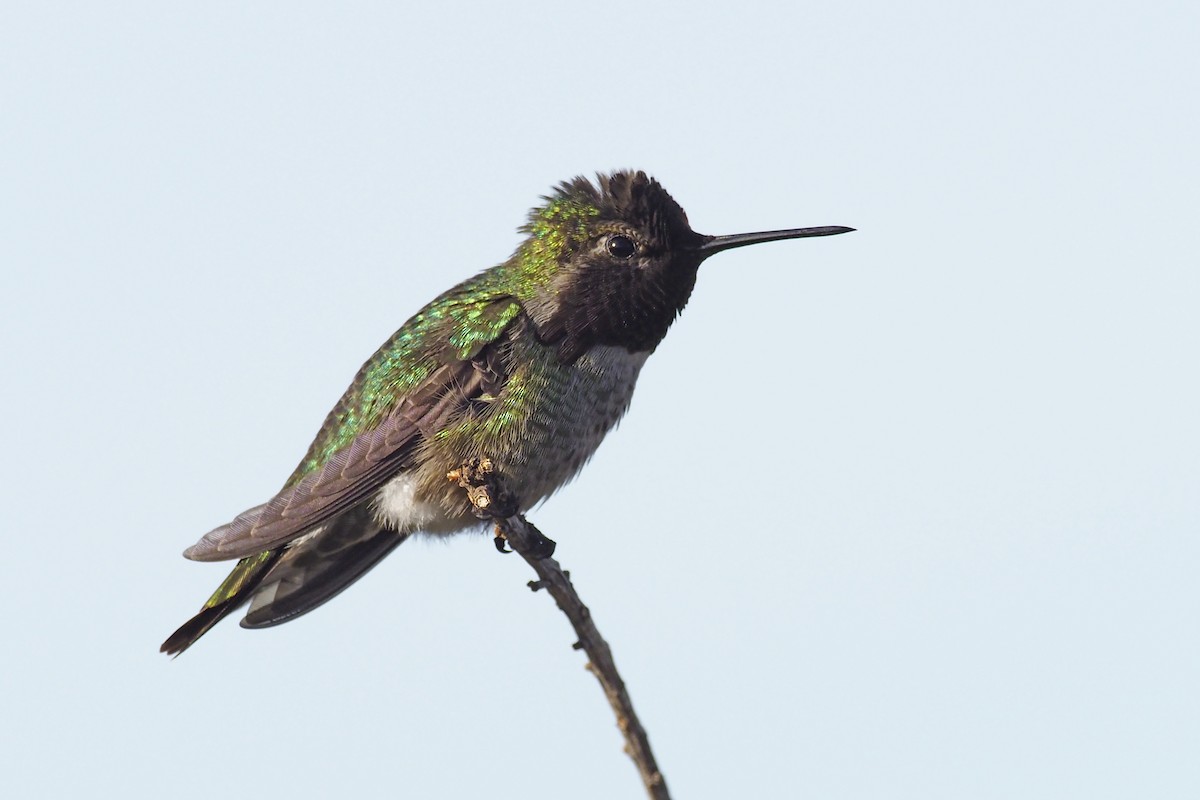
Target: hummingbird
[529,364]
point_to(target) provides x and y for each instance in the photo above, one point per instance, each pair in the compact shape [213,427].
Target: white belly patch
[397,507]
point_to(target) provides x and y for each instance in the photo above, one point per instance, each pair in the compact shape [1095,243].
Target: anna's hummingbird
[529,363]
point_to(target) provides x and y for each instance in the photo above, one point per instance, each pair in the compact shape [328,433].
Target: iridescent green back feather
[457,324]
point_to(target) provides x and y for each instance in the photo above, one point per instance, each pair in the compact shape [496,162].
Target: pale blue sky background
[945,540]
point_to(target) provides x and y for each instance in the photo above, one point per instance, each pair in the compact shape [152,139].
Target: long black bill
[716,244]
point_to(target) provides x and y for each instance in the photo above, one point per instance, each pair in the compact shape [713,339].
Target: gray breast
[540,430]
[575,409]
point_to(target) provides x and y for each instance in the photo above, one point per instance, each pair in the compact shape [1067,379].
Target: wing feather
[349,476]
[313,570]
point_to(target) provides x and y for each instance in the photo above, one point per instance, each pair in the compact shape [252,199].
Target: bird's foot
[491,500]
[543,546]
[485,490]
[540,546]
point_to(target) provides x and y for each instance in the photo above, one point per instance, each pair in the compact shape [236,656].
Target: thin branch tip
[491,500]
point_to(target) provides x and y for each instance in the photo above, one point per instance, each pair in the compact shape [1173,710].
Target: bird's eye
[621,246]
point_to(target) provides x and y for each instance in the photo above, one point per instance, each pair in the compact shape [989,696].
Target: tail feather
[230,595]
[313,571]
[284,583]
[194,628]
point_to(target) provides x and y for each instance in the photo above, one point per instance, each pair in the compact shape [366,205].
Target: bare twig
[491,500]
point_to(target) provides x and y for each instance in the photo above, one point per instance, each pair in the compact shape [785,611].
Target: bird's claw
[543,547]
[490,500]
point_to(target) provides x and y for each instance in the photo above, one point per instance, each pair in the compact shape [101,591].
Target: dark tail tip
[194,628]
